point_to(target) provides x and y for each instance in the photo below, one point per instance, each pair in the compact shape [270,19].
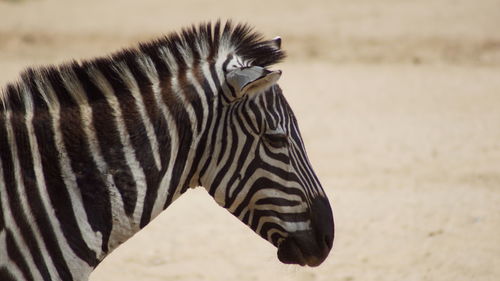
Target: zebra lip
[290,253]
[297,249]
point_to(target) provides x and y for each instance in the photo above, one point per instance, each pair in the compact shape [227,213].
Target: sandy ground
[399,105]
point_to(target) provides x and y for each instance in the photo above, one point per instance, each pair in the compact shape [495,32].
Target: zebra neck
[101,148]
[168,140]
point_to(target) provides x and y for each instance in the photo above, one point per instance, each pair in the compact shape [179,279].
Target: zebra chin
[310,247]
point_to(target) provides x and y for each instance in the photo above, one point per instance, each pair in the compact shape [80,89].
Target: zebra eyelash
[277,140]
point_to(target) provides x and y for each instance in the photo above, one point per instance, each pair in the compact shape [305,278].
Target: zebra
[92,150]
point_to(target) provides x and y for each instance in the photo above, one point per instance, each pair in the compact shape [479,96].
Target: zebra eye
[277,140]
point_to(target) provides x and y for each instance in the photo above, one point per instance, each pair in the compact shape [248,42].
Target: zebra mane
[190,46]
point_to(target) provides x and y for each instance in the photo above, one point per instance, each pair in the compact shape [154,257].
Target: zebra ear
[250,80]
[276,42]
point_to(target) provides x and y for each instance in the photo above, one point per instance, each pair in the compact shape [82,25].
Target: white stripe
[247,160]
[270,191]
[3,244]
[191,79]
[288,226]
[223,54]
[205,68]
[177,92]
[91,238]
[131,83]
[203,47]
[214,169]
[128,149]
[5,261]
[10,224]
[21,189]
[201,94]
[270,233]
[69,256]
[204,104]
[122,227]
[149,69]
[306,172]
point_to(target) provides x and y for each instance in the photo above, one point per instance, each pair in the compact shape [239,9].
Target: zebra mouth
[310,247]
[300,249]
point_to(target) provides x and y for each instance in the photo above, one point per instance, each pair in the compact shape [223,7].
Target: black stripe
[16,256]
[14,101]
[138,138]
[267,227]
[231,89]
[191,36]
[224,135]
[283,107]
[216,40]
[232,152]
[160,126]
[246,217]
[259,184]
[185,141]
[300,170]
[5,275]
[300,159]
[275,237]
[181,118]
[270,109]
[109,137]
[240,160]
[248,120]
[202,144]
[15,203]
[194,99]
[2,221]
[95,195]
[187,88]
[56,189]
[279,156]
[34,197]
[258,118]
[218,115]
[288,217]
[173,45]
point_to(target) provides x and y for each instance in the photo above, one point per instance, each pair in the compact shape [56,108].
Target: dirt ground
[399,106]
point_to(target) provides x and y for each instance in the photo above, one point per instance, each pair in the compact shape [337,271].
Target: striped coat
[92,151]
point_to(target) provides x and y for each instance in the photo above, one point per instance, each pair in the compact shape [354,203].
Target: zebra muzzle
[310,247]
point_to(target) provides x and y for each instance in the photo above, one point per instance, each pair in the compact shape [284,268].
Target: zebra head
[260,171]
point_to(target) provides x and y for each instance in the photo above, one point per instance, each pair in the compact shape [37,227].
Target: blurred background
[399,106]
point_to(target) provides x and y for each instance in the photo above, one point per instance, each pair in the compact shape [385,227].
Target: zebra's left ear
[251,80]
